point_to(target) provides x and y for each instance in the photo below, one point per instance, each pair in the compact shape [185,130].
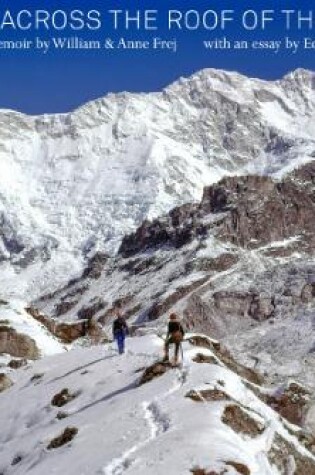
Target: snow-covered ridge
[72,184]
[202,415]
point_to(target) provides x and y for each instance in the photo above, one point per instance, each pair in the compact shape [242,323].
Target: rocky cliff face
[249,212]
[75,184]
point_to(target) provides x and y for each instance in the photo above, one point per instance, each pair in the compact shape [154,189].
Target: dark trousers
[120,339]
[169,342]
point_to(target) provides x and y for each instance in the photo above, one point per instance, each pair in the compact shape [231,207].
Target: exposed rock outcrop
[226,358]
[249,211]
[253,304]
[154,371]
[16,364]
[65,307]
[288,459]
[290,403]
[68,332]
[240,421]
[63,397]
[17,344]
[89,311]
[64,438]
[161,307]
[207,395]
[95,266]
[5,382]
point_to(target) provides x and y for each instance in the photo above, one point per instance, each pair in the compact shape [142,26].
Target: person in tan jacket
[175,335]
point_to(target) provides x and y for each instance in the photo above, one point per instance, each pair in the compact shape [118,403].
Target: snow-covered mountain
[234,259]
[91,411]
[76,183]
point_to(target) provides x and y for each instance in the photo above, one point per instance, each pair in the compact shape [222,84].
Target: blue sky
[60,81]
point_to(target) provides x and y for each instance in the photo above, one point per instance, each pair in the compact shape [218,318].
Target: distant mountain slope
[73,184]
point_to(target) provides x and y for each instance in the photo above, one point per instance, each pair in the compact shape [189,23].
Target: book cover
[157,218]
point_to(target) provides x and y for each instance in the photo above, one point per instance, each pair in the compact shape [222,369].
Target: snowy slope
[131,429]
[75,183]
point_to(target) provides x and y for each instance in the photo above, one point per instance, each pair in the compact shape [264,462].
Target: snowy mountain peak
[73,184]
[301,75]
[210,76]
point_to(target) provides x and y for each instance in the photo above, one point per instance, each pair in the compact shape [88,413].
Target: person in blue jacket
[120,330]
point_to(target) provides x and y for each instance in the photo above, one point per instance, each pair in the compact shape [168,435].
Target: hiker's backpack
[177,336]
[119,326]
